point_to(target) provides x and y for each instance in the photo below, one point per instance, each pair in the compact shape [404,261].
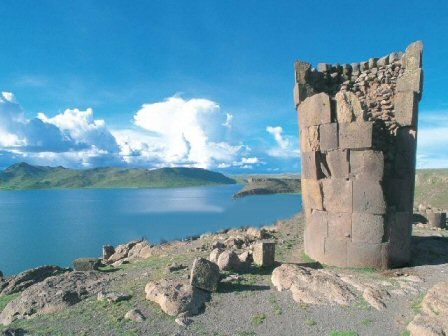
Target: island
[265,185]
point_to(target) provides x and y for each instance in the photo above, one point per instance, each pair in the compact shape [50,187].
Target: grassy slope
[431,187]
[24,176]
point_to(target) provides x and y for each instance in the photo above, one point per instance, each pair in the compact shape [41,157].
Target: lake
[42,227]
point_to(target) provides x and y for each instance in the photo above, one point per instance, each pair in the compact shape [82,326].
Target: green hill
[431,187]
[26,176]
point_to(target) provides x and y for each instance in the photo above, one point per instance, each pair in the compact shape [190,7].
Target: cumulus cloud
[173,132]
[286,146]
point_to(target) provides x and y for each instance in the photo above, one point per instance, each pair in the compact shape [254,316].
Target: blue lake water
[40,227]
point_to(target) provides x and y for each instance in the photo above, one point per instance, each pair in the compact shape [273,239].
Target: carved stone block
[367,228]
[406,108]
[315,110]
[328,136]
[337,195]
[356,135]
[309,139]
[339,225]
[367,164]
[312,194]
[338,163]
[368,197]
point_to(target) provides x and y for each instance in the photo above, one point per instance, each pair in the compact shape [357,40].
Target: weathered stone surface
[86,264]
[312,286]
[338,163]
[228,260]
[134,315]
[309,139]
[355,135]
[337,195]
[108,250]
[413,56]
[302,71]
[315,110]
[436,219]
[432,321]
[112,297]
[204,275]
[312,194]
[399,194]
[311,165]
[368,197]
[339,225]
[375,297]
[264,254]
[367,164]
[365,255]
[411,81]
[367,228]
[52,295]
[328,134]
[348,107]
[175,298]
[335,251]
[406,108]
[30,277]
[214,255]
[137,249]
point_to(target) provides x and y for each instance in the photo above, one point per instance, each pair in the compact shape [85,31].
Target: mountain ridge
[22,176]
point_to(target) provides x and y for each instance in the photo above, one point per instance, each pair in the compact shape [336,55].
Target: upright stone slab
[358,146]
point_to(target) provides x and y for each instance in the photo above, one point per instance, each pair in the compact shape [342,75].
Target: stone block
[368,197]
[399,254]
[204,275]
[348,107]
[264,254]
[373,62]
[436,219]
[406,145]
[323,67]
[411,80]
[399,225]
[356,135]
[367,228]
[413,56]
[302,71]
[313,245]
[301,92]
[335,252]
[355,67]
[338,163]
[86,264]
[383,61]
[339,225]
[406,108]
[309,139]
[315,110]
[337,195]
[312,194]
[328,134]
[399,194]
[318,223]
[365,255]
[367,164]
[311,165]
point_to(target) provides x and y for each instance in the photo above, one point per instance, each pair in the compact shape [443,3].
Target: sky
[194,83]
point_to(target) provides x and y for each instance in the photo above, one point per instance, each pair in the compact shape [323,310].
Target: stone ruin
[358,126]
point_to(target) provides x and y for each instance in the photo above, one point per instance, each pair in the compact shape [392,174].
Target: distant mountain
[25,176]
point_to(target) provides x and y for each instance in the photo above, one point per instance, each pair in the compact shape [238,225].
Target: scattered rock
[257,233]
[312,286]
[215,254]
[375,297]
[264,254]
[112,297]
[245,257]
[175,297]
[30,277]
[137,249]
[174,267]
[432,319]
[231,278]
[86,264]
[134,315]
[52,295]
[14,332]
[228,260]
[183,320]
[204,275]
[234,242]
[218,245]
[108,251]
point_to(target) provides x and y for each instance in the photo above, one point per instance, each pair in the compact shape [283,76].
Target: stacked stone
[358,141]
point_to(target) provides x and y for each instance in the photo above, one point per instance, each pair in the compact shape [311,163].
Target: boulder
[137,249]
[436,219]
[228,260]
[432,318]
[257,233]
[174,267]
[245,257]
[86,264]
[108,251]
[134,315]
[204,275]
[214,255]
[52,295]
[264,254]
[175,297]
[112,297]
[30,277]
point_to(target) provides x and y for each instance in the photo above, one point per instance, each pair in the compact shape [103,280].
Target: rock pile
[134,250]
[358,142]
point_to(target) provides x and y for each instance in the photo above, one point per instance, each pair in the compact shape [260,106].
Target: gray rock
[108,251]
[86,264]
[30,277]
[52,295]
[228,260]
[204,275]
[112,297]
[264,254]
[134,315]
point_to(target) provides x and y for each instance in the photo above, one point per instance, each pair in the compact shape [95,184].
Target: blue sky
[193,83]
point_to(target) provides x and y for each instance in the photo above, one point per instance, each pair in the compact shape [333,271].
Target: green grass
[246,333]
[5,299]
[416,304]
[367,322]
[406,333]
[25,176]
[275,306]
[258,319]
[343,333]
[307,259]
[310,323]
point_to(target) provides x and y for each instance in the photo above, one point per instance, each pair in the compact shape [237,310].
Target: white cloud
[286,145]
[228,122]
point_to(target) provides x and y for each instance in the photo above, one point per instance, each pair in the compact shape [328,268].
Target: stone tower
[358,131]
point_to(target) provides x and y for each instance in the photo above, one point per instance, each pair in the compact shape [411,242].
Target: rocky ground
[296,296]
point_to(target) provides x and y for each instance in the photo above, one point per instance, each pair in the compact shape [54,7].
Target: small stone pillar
[358,133]
[436,219]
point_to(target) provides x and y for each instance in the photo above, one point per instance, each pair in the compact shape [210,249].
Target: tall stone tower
[358,131]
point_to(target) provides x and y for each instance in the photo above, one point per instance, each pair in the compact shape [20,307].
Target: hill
[269,185]
[431,187]
[26,176]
